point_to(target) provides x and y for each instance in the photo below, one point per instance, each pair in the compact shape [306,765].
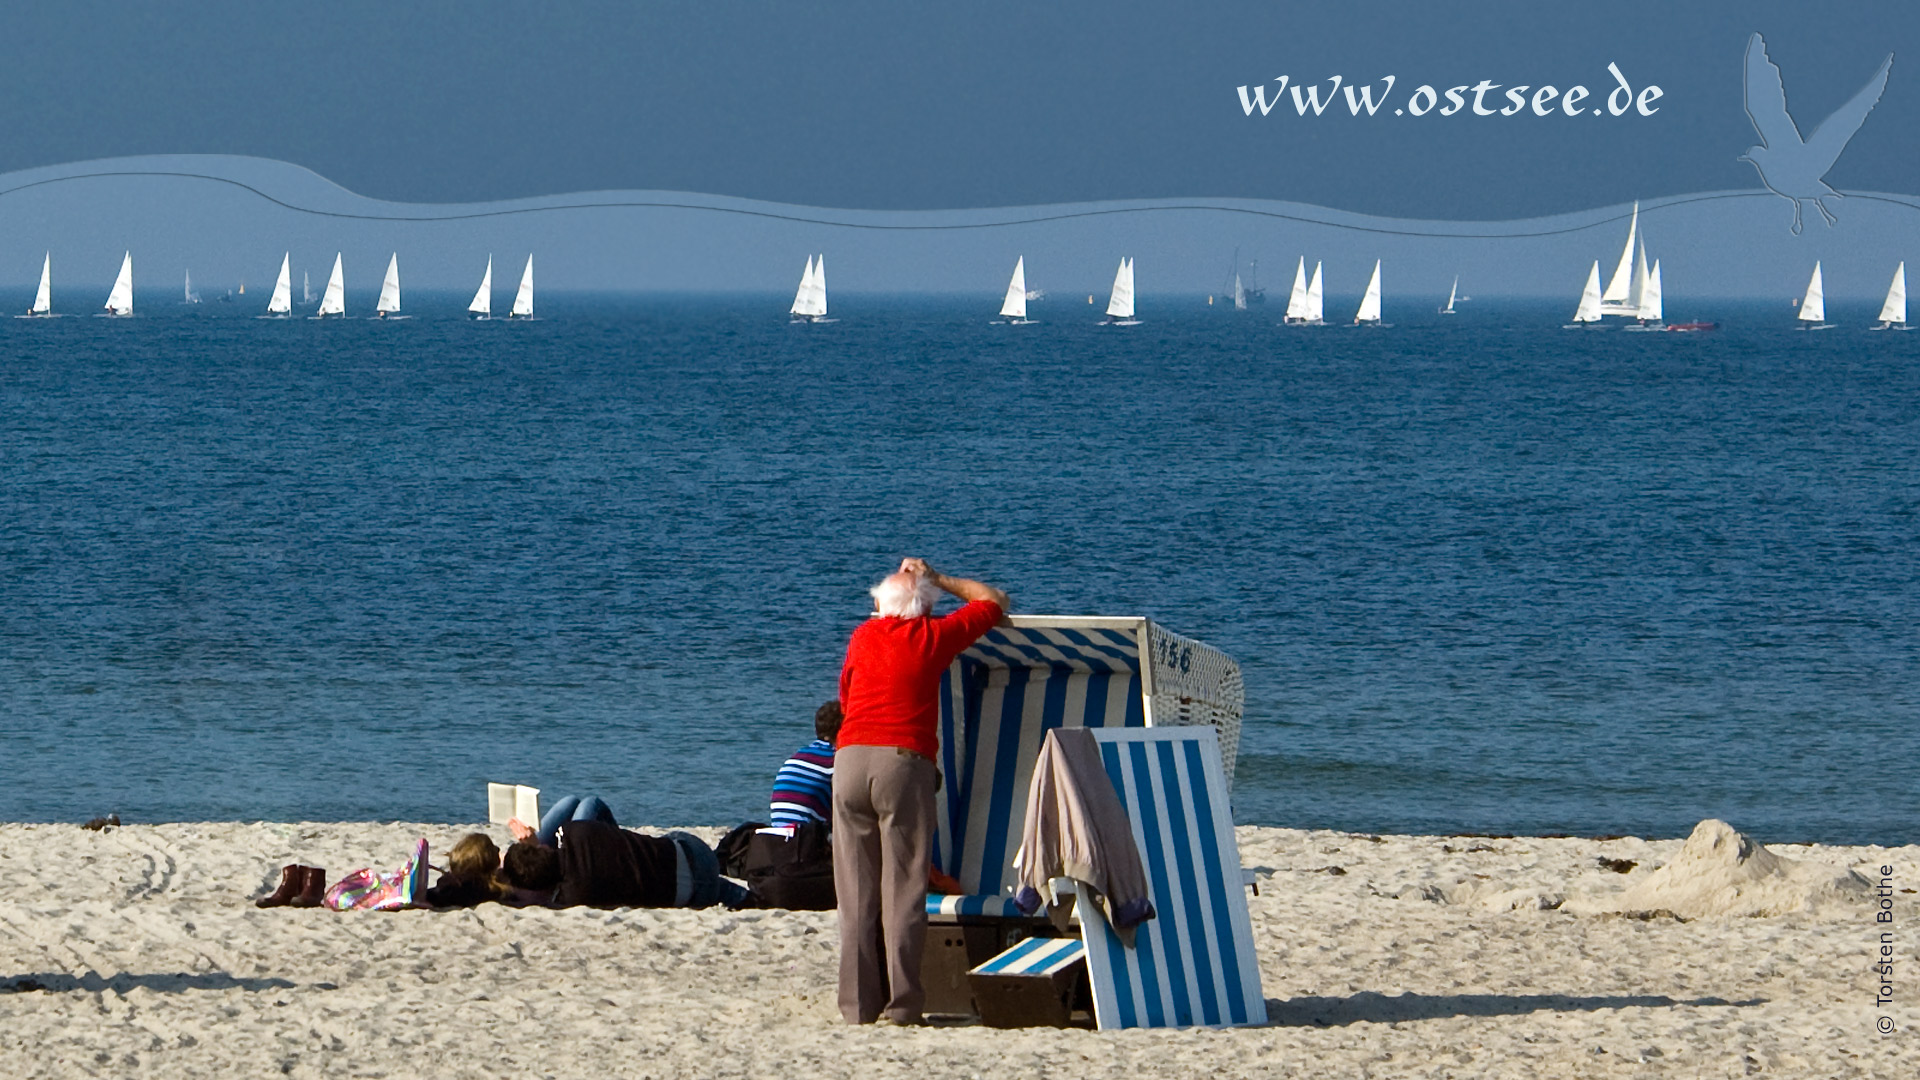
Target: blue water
[1482,574]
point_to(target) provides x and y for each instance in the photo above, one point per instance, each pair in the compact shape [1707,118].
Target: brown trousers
[883,820]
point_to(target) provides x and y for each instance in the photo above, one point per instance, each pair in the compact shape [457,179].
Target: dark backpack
[796,873]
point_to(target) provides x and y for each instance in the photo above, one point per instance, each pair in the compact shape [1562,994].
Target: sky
[882,105]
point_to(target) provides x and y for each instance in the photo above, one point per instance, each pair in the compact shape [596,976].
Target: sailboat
[1650,312]
[1588,313]
[43,297]
[1813,307]
[1622,297]
[523,300]
[306,290]
[1245,291]
[1316,312]
[120,300]
[1120,303]
[334,300]
[1304,305]
[1239,294]
[1369,313]
[1452,295]
[280,305]
[1893,313]
[191,296]
[390,291]
[810,300]
[1013,309]
[482,306]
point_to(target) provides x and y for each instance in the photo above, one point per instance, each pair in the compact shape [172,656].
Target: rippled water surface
[1482,574]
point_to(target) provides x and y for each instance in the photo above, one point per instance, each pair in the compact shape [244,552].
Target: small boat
[43,297]
[280,305]
[1013,310]
[1893,313]
[810,300]
[523,300]
[120,300]
[191,296]
[1452,295]
[1813,307]
[1588,313]
[334,301]
[1691,327]
[482,305]
[1623,294]
[1245,291]
[389,304]
[1650,310]
[1369,313]
[1120,303]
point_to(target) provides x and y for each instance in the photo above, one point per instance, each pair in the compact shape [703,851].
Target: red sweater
[890,683]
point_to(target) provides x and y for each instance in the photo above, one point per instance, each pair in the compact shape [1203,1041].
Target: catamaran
[1623,296]
[1650,312]
[191,296]
[1813,307]
[1013,309]
[1120,302]
[280,305]
[810,300]
[482,306]
[43,297]
[334,300]
[389,291]
[120,300]
[1369,313]
[1893,313]
[1452,295]
[1588,313]
[523,300]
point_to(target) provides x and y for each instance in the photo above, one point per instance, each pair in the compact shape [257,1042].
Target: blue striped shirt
[803,789]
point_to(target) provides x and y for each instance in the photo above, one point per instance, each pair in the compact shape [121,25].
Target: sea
[1482,574]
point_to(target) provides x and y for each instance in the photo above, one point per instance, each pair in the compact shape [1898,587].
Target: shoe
[313,887]
[292,880]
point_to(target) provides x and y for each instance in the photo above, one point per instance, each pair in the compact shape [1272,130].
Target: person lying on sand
[594,864]
[472,876]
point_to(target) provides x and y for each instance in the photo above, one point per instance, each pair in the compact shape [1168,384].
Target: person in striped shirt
[803,789]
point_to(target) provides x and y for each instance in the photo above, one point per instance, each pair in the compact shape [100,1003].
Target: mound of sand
[1721,872]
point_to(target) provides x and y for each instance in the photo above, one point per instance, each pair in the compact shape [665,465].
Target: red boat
[1693,326]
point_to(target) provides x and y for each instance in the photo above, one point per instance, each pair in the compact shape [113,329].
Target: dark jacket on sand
[605,866]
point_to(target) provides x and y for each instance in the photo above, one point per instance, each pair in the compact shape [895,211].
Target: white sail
[390,288]
[334,300]
[1589,310]
[1297,300]
[1316,308]
[803,296]
[306,288]
[818,294]
[1370,303]
[120,300]
[1813,308]
[1239,294]
[1649,310]
[523,300]
[190,297]
[1015,305]
[1894,311]
[1452,293]
[1120,304]
[1620,288]
[483,299]
[282,301]
[43,299]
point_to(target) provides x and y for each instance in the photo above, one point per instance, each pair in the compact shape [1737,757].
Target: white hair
[904,596]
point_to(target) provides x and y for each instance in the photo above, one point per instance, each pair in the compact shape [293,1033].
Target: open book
[506,801]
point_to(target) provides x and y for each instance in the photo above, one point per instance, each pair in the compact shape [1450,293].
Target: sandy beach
[136,951]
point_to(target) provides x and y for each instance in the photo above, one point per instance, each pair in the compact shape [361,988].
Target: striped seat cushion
[998,907]
[1035,956]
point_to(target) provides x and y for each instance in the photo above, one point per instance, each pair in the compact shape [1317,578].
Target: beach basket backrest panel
[997,703]
[1193,964]
[1195,683]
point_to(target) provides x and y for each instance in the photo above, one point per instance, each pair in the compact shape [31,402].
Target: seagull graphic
[1792,167]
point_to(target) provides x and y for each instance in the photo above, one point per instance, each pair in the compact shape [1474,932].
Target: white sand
[1427,957]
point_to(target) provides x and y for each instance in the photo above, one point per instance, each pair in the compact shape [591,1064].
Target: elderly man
[883,782]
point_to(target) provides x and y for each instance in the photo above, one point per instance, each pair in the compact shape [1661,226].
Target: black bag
[732,849]
[796,873]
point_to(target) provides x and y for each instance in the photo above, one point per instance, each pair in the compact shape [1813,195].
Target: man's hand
[919,568]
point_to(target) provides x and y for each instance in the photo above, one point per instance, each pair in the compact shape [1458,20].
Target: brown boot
[292,878]
[313,887]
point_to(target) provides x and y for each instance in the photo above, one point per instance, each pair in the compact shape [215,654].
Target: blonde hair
[474,857]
